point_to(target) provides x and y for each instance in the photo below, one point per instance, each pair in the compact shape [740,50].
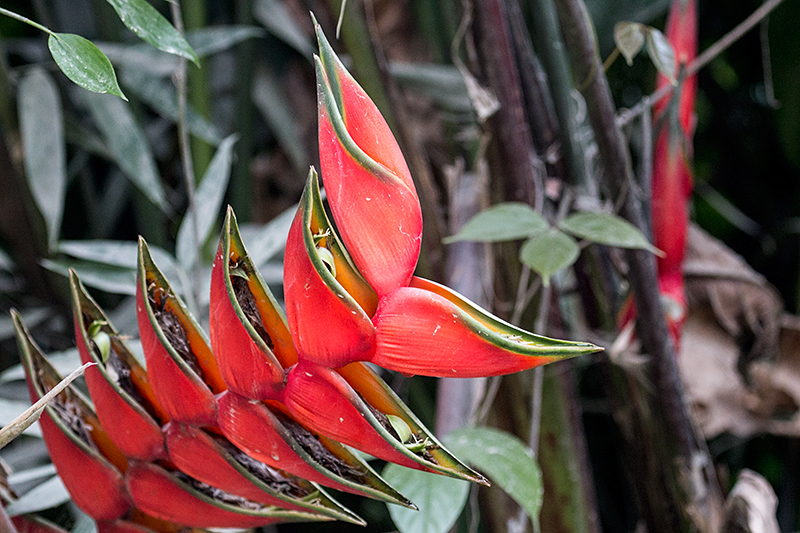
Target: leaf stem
[26,20]
[701,61]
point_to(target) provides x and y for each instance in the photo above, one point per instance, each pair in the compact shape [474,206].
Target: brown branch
[669,456]
[702,60]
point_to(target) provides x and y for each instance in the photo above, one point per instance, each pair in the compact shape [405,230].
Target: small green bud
[400,427]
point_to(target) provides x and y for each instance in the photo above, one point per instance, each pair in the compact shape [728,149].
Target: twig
[701,61]
[766,63]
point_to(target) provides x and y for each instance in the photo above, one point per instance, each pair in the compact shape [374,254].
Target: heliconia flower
[213,460]
[266,433]
[430,330]
[182,369]
[370,190]
[249,336]
[176,497]
[682,35]
[329,326]
[119,386]
[121,526]
[373,427]
[86,459]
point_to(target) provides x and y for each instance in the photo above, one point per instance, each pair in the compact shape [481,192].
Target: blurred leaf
[127,142]
[629,38]
[270,101]
[502,222]
[548,252]
[141,57]
[31,474]
[30,316]
[608,229]
[9,409]
[661,53]
[440,499]
[145,21]
[264,242]
[505,460]
[42,130]
[276,18]
[84,63]
[202,216]
[6,263]
[443,84]
[160,94]
[65,362]
[83,522]
[113,279]
[208,41]
[49,494]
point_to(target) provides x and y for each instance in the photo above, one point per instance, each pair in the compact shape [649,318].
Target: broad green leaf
[159,93]
[49,494]
[65,362]
[264,242]
[9,410]
[278,114]
[629,38]
[113,279]
[604,228]
[84,63]
[127,142]
[505,460]
[440,499]
[201,219]
[548,252]
[502,222]
[275,16]
[42,129]
[661,53]
[145,21]
[209,41]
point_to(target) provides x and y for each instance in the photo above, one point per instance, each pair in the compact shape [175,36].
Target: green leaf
[264,242]
[548,252]
[84,63]
[440,499]
[42,129]
[443,84]
[661,53]
[502,222]
[604,228]
[30,316]
[32,474]
[275,16]
[117,253]
[207,203]
[49,494]
[145,21]
[128,144]
[629,38]
[505,460]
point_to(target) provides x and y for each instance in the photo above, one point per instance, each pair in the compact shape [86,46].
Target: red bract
[251,360]
[328,325]
[85,458]
[372,195]
[123,398]
[183,371]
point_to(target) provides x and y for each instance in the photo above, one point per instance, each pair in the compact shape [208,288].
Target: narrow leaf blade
[145,21]
[502,222]
[42,130]
[82,62]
